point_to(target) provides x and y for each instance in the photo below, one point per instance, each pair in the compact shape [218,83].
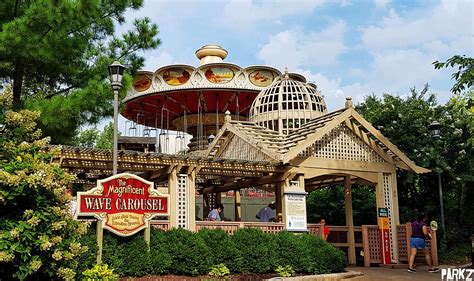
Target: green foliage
[57,52]
[99,272]
[325,257]
[464,76]
[161,259]
[190,254]
[219,270]
[137,248]
[89,258]
[285,271]
[292,251]
[222,247]
[106,137]
[87,138]
[259,250]
[328,203]
[39,239]
[405,121]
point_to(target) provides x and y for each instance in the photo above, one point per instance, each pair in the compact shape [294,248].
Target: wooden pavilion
[340,147]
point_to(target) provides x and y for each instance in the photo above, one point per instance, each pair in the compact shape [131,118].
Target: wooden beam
[342,165]
[349,220]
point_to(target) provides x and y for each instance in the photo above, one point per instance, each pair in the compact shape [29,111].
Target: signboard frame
[103,216]
[291,217]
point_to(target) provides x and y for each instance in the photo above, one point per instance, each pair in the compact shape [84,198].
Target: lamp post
[116,74]
[435,127]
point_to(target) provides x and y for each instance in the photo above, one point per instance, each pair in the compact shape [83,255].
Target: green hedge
[183,252]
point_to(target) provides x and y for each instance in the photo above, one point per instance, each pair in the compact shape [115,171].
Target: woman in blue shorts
[419,231]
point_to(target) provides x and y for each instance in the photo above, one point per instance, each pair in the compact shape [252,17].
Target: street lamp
[435,128]
[116,74]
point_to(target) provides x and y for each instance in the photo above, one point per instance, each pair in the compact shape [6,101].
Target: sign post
[124,204]
[295,203]
[384,228]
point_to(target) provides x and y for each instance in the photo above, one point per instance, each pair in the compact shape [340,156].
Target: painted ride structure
[269,130]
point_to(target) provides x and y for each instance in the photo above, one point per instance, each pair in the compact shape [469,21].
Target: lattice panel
[388,203]
[373,238]
[402,242]
[183,201]
[240,149]
[212,199]
[342,144]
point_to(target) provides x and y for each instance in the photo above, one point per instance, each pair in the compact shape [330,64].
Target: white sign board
[295,206]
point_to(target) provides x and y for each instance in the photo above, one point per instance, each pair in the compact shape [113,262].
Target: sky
[347,47]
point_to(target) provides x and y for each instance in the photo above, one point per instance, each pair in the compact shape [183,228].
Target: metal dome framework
[286,105]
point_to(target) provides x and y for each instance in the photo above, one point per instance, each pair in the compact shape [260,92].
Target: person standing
[267,214]
[419,232]
[322,222]
[214,214]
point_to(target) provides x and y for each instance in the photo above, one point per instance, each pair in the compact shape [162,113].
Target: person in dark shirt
[417,242]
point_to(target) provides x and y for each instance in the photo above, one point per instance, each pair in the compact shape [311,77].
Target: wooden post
[100,239]
[237,206]
[349,220]
[365,245]
[279,201]
[172,189]
[147,235]
[395,215]
[191,194]
[283,187]
[205,206]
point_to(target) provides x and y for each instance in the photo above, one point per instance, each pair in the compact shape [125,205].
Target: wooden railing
[232,226]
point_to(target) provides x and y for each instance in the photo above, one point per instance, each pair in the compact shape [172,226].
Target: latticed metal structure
[287,104]
[318,149]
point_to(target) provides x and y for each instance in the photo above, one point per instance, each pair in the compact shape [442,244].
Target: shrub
[89,259]
[160,258]
[112,253]
[99,272]
[222,247]
[219,270]
[325,257]
[39,239]
[258,250]
[285,271]
[293,251]
[190,254]
[136,256]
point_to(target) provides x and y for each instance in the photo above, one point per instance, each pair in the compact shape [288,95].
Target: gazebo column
[191,194]
[237,210]
[279,201]
[173,204]
[349,220]
[387,197]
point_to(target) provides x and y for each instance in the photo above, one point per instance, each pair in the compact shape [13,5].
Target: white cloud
[381,3]
[153,62]
[242,14]
[448,21]
[296,47]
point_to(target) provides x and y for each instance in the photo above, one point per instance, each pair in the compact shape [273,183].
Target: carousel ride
[177,101]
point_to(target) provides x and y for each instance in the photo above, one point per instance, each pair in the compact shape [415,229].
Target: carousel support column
[192,200]
[173,192]
[237,206]
[349,220]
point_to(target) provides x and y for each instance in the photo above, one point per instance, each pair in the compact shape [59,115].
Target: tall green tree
[405,121]
[464,76]
[57,53]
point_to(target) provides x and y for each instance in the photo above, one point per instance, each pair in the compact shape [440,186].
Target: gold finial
[286,73]
[227,117]
[349,102]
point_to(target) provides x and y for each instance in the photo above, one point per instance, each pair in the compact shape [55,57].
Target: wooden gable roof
[285,148]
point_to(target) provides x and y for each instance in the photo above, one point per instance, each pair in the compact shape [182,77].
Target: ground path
[386,274]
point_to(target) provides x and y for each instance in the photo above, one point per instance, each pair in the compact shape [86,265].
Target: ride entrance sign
[123,203]
[384,228]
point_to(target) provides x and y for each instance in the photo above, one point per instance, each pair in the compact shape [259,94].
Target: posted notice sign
[125,203]
[295,206]
[384,228]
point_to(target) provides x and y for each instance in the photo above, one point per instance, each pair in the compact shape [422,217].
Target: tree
[464,76]
[405,121]
[106,138]
[87,138]
[57,53]
[38,236]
